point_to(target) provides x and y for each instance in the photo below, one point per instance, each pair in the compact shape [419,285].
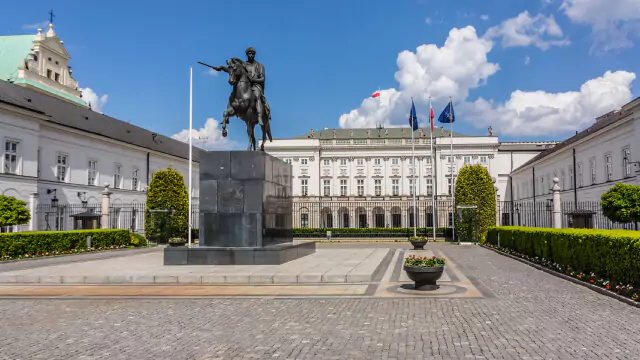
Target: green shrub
[621,203]
[475,187]
[612,254]
[21,243]
[138,240]
[13,211]
[167,192]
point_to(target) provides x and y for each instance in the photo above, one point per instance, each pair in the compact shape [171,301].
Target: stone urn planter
[175,242]
[424,271]
[418,242]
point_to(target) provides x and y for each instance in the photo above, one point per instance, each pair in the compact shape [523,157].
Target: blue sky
[532,69]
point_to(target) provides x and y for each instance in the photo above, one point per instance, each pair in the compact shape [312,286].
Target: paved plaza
[488,307]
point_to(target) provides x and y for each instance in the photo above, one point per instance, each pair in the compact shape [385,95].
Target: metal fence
[89,216]
[540,214]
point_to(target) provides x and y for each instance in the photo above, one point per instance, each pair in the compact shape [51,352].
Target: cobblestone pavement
[532,315]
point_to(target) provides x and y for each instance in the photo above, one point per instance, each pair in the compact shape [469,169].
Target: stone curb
[569,278]
[133,250]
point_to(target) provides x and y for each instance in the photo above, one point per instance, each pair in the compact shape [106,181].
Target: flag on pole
[413,119]
[376,94]
[431,115]
[447,116]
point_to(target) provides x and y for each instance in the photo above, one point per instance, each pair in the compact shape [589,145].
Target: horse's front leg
[250,137]
[264,136]
[229,112]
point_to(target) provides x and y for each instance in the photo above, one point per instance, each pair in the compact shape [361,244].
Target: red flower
[607,287]
[434,256]
[591,281]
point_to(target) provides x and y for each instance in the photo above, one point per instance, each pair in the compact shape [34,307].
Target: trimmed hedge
[368,232]
[611,254]
[21,243]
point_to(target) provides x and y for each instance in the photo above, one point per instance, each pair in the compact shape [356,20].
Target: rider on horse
[257,77]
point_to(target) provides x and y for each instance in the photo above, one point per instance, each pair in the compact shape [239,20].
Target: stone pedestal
[245,212]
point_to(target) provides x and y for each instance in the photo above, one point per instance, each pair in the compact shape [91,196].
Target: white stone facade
[605,154]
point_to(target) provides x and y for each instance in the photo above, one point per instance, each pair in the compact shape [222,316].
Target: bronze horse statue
[242,103]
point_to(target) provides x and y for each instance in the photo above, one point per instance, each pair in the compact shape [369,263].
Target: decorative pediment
[53,44]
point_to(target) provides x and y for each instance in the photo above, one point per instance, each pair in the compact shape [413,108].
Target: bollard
[329,235]
[498,239]
[88,241]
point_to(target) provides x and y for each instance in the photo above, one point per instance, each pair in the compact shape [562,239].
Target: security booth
[580,219]
[86,220]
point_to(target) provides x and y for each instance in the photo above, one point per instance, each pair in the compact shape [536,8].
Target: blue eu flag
[413,119]
[447,116]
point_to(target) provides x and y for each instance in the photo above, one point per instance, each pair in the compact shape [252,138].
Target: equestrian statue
[247,100]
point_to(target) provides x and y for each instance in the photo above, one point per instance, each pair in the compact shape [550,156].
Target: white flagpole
[433,165]
[190,145]
[413,188]
[453,194]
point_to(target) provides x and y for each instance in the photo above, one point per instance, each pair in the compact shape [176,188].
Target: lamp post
[54,206]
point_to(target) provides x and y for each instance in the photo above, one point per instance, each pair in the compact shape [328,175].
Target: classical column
[104,223]
[33,209]
[557,214]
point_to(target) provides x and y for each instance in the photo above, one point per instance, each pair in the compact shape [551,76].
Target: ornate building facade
[366,177]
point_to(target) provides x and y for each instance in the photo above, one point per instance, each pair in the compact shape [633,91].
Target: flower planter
[424,277]
[176,244]
[418,244]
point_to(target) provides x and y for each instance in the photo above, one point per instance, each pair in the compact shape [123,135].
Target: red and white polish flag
[376,94]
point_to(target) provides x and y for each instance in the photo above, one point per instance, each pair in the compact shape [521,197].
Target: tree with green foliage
[621,203]
[168,194]
[13,211]
[475,187]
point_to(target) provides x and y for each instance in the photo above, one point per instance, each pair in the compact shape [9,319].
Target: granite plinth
[245,199]
[265,255]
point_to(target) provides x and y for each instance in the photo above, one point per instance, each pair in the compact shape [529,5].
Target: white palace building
[55,146]
[364,177]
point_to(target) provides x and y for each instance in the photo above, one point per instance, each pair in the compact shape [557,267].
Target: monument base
[267,255]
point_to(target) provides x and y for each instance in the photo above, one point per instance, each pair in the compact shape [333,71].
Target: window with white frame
[378,187]
[429,186]
[92,172]
[579,174]
[548,183]
[343,162]
[134,179]
[343,187]
[570,177]
[360,183]
[117,176]
[326,187]
[467,159]
[326,162]
[288,161]
[541,190]
[360,161]
[608,166]
[450,159]
[412,186]
[626,161]
[303,161]
[304,187]
[62,165]
[429,161]
[449,186]
[564,186]
[11,157]
[395,161]
[395,187]
[377,161]
[592,169]
[483,159]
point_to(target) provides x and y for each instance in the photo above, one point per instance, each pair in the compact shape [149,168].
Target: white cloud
[613,22]
[541,113]
[212,72]
[484,17]
[524,30]
[97,103]
[38,25]
[428,20]
[451,70]
[210,136]
[527,60]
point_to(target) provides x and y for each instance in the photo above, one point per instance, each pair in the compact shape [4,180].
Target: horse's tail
[269,131]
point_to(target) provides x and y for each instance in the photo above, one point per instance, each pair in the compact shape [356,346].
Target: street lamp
[54,199]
